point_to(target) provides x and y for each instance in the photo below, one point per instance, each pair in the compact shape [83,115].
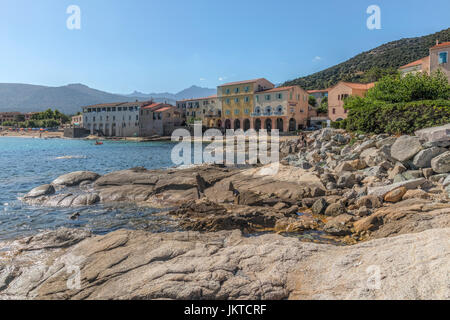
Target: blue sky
[158,46]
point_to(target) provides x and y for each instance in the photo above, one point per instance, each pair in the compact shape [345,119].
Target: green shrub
[400,105]
[396,118]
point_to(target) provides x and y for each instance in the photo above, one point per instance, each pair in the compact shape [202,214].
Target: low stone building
[77,121]
[337,95]
[113,119]
[159,119]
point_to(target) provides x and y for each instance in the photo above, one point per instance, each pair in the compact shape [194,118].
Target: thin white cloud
[317,58]
[202,79]
[222,78]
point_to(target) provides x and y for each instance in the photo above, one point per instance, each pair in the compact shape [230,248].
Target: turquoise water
[27,163]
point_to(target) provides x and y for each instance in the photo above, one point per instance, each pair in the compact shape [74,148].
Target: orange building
[337,95]
[283,108]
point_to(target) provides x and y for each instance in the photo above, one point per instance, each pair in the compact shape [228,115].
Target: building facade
[9,116]
[439,55]
[418,66]
[284,108]
[437,60]
[206,110]
[77,121]
[113,119]
[236,99]
[337,95]
[159,119]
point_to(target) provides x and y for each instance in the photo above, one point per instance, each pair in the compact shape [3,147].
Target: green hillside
[371,65]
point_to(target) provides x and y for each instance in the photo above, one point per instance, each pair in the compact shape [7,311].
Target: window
[443,57]
[246,99]
[258,110]
[236,111]
[236,100]
[257,98]
[247,111]
[290,96]
[292,110]
[227,112]
[227,91]
[279,96]
[236,90]
[247,89]
[227,101]
[267,97]
[334,110]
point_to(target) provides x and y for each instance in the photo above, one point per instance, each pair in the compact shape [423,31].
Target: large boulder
[43,190]
[395,195]
[435,134]
[346,180]
[365,145]
[441,164]
[405,148]
[222,265]
[75,178]
[424,157]
[319,206]
[383,190]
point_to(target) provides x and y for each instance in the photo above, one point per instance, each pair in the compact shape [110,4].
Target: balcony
[278,113]
[267,113]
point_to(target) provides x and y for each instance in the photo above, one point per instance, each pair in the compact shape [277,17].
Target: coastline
[361,191]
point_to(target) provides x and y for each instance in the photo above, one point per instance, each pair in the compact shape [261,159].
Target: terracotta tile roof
[196,99]
[153,105]
[415,63]
[163,109]
[359,86]
[441,45]
[315,91]
[276,89]
[241,82]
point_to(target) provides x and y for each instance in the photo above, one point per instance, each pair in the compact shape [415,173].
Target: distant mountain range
[70,98]
[189,93]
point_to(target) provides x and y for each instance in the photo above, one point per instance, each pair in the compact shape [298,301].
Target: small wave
[70,157]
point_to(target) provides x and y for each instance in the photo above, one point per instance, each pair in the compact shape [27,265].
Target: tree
[412,87]
[323,106]
[312,101]
[400,105]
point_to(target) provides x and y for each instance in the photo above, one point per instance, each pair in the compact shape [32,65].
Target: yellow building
[236,100]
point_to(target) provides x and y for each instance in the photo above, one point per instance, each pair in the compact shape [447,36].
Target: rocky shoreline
[386,197]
